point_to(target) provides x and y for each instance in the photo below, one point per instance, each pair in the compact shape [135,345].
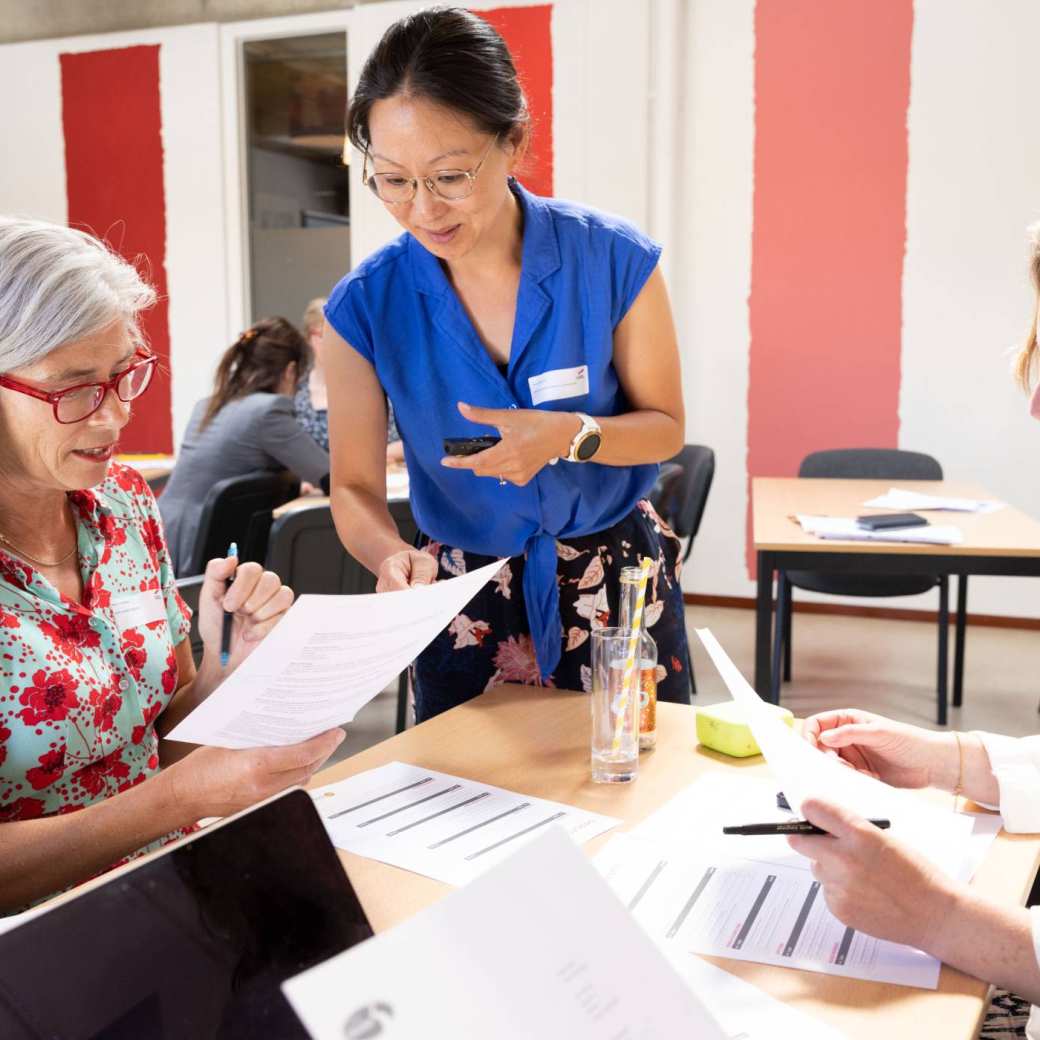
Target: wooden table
[1006,542]
[536,742]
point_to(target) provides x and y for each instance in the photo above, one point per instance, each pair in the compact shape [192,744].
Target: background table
[1006,542]
[536,741]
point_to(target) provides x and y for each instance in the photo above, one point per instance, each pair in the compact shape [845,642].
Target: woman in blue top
[499,313]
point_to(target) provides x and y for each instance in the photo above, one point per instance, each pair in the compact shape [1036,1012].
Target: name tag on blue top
[559,383]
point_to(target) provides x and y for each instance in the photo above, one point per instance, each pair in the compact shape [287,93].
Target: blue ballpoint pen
[229,617]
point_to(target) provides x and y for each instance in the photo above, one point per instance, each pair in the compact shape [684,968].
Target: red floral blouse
[83,683]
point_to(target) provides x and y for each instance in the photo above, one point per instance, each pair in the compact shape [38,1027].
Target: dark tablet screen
[195,943]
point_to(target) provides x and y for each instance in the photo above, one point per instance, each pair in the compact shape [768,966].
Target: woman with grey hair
[94,664]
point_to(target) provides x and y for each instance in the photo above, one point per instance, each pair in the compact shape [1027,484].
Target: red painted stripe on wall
[528,34]
[114,183]
[832,86]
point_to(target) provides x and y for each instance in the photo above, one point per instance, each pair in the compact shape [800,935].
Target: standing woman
[500,313]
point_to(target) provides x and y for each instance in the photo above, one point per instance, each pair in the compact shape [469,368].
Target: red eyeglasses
[76,403]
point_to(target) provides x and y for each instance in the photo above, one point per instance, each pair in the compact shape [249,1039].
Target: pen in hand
[229,616]
[790,827]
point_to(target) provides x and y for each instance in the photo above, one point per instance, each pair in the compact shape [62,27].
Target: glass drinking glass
[615,711]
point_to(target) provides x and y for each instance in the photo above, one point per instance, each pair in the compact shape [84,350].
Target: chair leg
[402,702]
[778,635]
[788,628]
[944,639]
[689,669]
[958,641]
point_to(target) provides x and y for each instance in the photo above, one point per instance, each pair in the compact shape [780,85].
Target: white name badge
[137,609]
[560,383]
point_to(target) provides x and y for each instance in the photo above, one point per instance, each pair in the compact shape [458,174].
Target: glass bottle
[647,658]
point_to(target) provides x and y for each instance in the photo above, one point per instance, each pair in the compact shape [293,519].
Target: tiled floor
[883,666]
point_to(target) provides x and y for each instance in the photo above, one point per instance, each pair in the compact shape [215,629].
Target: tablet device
[194,942]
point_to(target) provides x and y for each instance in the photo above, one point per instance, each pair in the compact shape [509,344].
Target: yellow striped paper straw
[630,677]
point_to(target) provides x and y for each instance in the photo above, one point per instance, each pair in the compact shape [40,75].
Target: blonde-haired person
[94,664]
[1026,362]
[874,883]
[311,401]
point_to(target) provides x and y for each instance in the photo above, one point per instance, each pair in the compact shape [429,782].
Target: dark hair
[449,56]
[256,362]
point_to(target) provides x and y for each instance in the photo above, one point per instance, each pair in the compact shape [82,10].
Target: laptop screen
[194,943]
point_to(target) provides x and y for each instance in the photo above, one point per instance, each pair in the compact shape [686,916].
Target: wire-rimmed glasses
[450,185]
[79,402]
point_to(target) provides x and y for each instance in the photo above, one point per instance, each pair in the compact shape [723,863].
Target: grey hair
[58,285]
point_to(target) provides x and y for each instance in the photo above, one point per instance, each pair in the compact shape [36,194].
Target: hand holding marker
[229,616]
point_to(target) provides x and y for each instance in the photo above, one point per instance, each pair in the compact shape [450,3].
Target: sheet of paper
[537,947]
[744,1011]
[903,501]
[442,826]
[802,771]
[327,658]
[750,911]
[845,529]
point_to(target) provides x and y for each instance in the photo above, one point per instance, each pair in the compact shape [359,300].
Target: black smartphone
[887,521]
[468,445]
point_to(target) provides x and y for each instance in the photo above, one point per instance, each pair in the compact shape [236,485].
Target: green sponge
[723,727]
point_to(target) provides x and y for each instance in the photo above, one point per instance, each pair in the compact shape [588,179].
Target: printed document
[904,501]
[746,910]
[803,771]
[845,529]
[442,826]
[326,659]
[537,947]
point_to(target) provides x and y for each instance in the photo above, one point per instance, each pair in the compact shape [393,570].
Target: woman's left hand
[256,597]
[530,438]
[872,881]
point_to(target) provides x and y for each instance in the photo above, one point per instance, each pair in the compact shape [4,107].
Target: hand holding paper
[329,656]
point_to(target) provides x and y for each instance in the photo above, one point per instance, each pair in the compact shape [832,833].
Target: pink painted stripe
[832,85]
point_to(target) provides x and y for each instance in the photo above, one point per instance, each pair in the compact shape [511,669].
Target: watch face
[588,447]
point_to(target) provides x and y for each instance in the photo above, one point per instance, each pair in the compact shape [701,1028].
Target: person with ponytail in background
[247,424]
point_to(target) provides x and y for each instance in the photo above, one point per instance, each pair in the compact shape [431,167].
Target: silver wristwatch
[586,441]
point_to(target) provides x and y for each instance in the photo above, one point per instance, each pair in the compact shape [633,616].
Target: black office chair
[862,464]
[679,496]
[239,510]
[189,588]
[681,492]
[306,553]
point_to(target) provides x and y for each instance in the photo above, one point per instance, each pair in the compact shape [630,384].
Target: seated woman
[94,664]
[246,425]
[874,883]
[311,402]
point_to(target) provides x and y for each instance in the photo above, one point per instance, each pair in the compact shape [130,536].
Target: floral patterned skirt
[490,641]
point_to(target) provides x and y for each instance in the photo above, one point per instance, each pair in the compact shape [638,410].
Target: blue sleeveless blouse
[581,271]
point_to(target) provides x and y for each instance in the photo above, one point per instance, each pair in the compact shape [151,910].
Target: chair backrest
[305,552]
[189,589]
[684,490]
[871,464]
[239,510]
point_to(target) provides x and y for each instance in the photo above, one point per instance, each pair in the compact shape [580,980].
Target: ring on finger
[502,481]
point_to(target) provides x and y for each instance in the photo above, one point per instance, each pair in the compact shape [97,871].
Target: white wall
[712,282]
[32,177]
[974,183]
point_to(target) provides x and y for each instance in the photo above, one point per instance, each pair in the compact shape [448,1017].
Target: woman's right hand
[212,781]
[406,568]
[898,754]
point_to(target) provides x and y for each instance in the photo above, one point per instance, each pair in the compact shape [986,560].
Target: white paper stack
[904,501]
[845,529]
